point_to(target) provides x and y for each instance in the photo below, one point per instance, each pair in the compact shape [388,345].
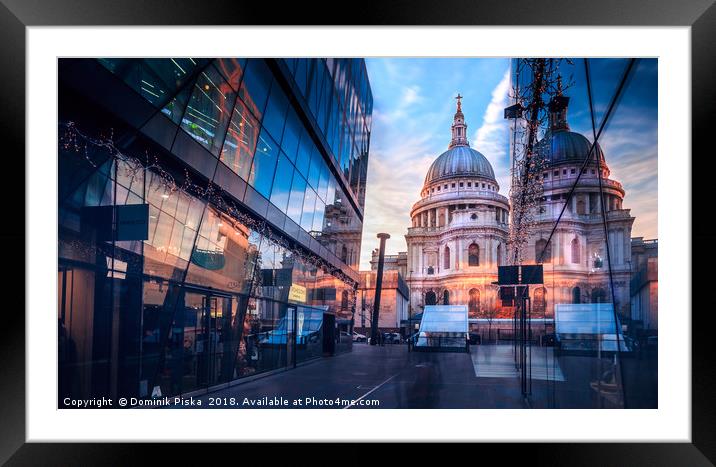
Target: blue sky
[414,103]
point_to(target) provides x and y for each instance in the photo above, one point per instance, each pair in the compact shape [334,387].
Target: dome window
[469,184]
[473,217]
[473,255]
[462,185]
[543,251]
[573,171]
[556,173]
[575,253]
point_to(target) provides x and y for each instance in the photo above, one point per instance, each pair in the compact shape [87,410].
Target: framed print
[441,224]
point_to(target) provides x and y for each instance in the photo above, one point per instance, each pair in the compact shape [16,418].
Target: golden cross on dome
[458,97]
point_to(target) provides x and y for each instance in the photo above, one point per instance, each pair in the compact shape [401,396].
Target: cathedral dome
[560,145]
[459,161]
[564,146]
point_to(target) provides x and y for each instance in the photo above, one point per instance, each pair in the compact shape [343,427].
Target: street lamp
[410,314]
[378,289]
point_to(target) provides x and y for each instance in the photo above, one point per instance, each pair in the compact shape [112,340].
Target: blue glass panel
[317,164]
[281,190]
[303,158]
[309,205]
[331,193]
[209,109]
[275,114]
[291,134]
[241,138]
[301,75]
[318,216]
[255,86]
[264,164]
[295,204]
[323,182]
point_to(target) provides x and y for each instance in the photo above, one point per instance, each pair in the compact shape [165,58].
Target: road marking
[367,393]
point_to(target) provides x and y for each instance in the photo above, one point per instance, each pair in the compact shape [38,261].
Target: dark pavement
[389,374]
[396,378]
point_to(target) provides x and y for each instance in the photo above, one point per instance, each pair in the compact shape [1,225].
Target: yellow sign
[297,293]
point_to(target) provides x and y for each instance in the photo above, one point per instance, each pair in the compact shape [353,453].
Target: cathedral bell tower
[459,127]
[558,109]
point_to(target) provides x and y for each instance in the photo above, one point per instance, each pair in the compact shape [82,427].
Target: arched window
[447,258]
[541,246]
[473,255]
[575,251]
[344,300]
[540,299]
[431,270]
[473,305]
[499,254]
[344,254]
[430,298]
[446,297]
[599,295]
[576,295]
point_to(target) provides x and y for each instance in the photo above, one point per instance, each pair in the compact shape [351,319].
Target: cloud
[395,177]
[492,138]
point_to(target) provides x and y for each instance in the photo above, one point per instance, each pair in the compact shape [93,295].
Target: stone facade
[576,263]
[459,230]
[393,301]
[460,227]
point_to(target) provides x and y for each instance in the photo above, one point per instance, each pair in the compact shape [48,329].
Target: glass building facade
[210,217]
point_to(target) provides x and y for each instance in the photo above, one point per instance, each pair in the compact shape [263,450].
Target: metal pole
[378,286]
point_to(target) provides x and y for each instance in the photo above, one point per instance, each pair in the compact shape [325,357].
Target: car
[391,338]
[357,337]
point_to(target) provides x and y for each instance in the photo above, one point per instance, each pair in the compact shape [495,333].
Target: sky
[413,108]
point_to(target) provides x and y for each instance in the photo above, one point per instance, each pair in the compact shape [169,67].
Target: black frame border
[700,15]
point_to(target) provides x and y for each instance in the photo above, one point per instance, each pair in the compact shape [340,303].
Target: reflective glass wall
[586,349]
[253,223]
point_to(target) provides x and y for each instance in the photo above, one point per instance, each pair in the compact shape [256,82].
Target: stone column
[458,254]
[420,259]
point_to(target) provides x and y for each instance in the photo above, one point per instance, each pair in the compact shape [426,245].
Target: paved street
[389,374]
[396,378]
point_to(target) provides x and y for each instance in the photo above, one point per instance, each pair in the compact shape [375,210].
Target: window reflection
[255,86]
[295,205]
[309,205]
[241,139]
[156,79]
[208,111]
[303,158]
[317,164]
[232,69]
[211,303]
[275,114]
[281,189]
[264,164]
[224,254]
